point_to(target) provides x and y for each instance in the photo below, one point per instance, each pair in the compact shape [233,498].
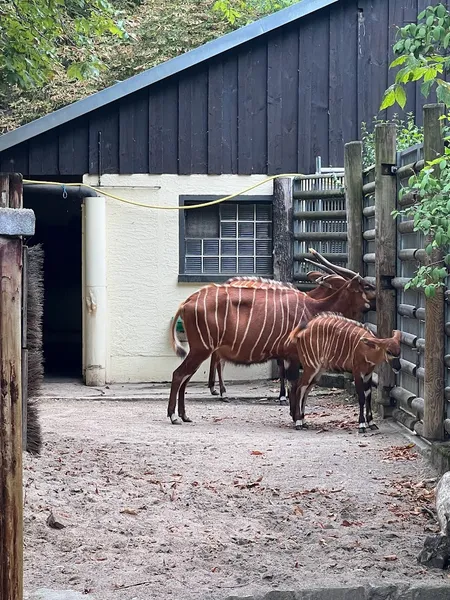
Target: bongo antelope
[333,342]
[321,291]
[246,326]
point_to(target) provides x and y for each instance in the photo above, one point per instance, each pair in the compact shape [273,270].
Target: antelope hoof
[224,398]
[373,426]
[282,400]
[185,419]
[361,429]
[174,420]
[213,392]
[300,424]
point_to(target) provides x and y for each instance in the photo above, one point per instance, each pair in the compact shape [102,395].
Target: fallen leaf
[391,557]
[53,522]
[129,511]
[256,453]
[298,511]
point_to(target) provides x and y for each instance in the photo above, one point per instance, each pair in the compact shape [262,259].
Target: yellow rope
[141,204]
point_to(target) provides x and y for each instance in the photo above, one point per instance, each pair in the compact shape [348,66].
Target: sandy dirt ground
[235,503]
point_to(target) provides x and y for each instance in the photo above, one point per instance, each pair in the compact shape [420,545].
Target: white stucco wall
[142,273]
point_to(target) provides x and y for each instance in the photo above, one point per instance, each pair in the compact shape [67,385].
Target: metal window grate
[243,245]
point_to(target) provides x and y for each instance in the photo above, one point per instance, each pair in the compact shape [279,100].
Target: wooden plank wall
[269,106]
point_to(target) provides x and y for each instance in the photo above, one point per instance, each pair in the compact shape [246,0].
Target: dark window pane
[228,211]
[264,247]
[246,265]
[194,247]
[264,230]
[211,265]
[264,265]
[246,230]
[193,264]
[228,247]
[228,264]
[228,230]
[246,248]
[263,212]
[202,222]
[211,247]
[246,212]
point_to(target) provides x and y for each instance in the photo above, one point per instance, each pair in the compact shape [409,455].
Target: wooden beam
[433,419]
[11,513]
[385,235]
[354,204]
[283,244]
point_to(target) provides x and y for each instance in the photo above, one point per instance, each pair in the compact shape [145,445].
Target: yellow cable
[191,206]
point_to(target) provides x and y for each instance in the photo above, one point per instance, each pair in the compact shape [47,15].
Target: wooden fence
[348,218]
[392,252]
[320,222]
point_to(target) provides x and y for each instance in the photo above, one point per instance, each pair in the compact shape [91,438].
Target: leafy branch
[422,55]
[36,36]
[431,215]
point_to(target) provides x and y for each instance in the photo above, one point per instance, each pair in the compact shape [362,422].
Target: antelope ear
[314,275]
[396,334]
[369,342]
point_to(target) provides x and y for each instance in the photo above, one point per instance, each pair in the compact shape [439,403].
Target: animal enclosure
[390,253]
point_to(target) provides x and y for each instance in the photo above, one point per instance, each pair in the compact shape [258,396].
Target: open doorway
[58,229]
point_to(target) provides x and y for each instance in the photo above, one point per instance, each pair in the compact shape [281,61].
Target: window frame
[200,199]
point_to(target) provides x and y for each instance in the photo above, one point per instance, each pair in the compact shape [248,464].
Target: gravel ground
[236,503]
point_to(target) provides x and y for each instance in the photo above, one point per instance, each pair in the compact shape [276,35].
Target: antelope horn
[346,273]
[318,265]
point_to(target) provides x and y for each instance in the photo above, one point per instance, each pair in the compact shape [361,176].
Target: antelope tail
[176,344]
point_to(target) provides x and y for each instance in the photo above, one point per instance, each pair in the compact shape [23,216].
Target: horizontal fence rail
[320,222]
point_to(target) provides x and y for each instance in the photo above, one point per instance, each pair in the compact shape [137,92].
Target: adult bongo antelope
[321,291]
[247,326]
[333,342]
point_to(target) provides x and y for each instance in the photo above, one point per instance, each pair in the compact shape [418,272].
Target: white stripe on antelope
[325,282]
[332,342]
[247,326]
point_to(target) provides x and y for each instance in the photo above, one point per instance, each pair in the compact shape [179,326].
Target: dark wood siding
[269,106]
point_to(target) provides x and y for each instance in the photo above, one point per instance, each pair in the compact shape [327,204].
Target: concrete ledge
[383,591]
[17,221]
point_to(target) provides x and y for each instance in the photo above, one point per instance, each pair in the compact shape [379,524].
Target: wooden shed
[266,99]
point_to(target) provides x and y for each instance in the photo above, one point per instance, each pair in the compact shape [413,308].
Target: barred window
[233,238]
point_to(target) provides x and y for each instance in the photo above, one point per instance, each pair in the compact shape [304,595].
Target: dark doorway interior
[58,229]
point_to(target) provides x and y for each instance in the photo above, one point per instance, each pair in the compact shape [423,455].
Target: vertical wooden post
[433,418]
[386,247]
[283,239]
[11,513]
[354,204]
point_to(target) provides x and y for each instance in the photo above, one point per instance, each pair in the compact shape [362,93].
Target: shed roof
[162,71]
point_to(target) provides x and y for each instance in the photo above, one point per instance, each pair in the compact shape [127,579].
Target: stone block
[17,221]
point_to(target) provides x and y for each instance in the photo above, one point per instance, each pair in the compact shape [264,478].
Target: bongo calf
[332,342]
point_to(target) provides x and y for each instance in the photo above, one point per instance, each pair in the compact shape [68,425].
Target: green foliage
[408,134]
[422,50]
[241,12]
[157,32]
[431,215]
[37,36]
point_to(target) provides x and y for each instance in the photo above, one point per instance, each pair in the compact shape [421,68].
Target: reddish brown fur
[247,325]
[319,293]
[330,341]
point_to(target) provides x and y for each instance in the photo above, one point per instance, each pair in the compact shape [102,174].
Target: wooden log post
[283,236]
[11,513]
[433,419]
[283,239]
[354,204]
[385,238]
